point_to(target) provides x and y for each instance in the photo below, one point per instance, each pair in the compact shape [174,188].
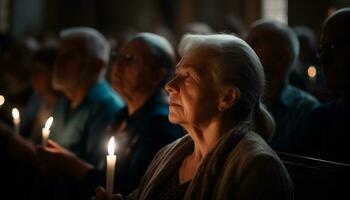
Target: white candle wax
[46,131]
[111,161]
[16,120]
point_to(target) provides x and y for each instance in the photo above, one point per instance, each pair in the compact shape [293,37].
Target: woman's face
[193,92]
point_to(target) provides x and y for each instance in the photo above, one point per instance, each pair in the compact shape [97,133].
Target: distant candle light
[312,71]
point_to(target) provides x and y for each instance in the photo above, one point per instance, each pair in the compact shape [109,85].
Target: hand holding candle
[111,160]
[46,131]
[16,120]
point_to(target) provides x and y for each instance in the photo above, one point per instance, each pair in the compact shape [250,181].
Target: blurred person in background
[328,133]
[40,106]
[81,116]
[278,48]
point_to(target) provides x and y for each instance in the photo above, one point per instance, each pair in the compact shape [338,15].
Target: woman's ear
[229,97]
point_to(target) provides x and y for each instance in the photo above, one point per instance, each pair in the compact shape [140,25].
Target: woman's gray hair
[235,64]
[95,43]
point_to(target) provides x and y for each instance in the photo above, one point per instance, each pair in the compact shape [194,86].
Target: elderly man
[278,47]
[329,127]
[88,106]
[89,103]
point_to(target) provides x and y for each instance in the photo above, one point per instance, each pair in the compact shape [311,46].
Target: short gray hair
[236,64]
[96,44]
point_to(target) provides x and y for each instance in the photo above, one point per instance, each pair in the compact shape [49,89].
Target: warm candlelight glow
[46,131]
[311,71]
[16,120]
[2,100]
[111,162]
[48,123]
[15,113]
[111,146]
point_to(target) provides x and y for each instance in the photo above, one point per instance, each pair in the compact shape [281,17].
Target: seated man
[277,47]
[141,68]
[329,126]
[89,104]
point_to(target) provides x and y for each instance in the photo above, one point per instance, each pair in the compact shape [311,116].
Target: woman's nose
[171,85]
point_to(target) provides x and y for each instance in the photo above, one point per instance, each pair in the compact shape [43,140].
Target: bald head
[277,47]
[276,37]
[336,27]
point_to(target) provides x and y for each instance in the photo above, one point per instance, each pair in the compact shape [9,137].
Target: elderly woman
[215,95]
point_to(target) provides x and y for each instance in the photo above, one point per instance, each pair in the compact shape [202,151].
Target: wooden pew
[317,179]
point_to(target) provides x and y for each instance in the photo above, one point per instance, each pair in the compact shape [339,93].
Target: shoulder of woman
[253,143]
[253,168]
[167,154]
[162,161]
[251,150]
[173,148]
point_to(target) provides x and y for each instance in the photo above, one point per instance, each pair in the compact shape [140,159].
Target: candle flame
[2,100]
[15,113]
[312,71]
[111,146]
[48,122]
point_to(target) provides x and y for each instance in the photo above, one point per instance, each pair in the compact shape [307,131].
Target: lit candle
[46,131]
[111,160]
[2,100]
[16,119]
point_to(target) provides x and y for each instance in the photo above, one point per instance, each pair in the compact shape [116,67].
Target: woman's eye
[187,77]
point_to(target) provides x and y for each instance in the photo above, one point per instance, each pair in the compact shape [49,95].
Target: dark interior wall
[308,13]
[247,11]
[114,16]
[118,15]
[106,15]
[27,15]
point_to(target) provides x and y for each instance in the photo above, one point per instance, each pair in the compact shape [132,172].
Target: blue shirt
[80,129]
